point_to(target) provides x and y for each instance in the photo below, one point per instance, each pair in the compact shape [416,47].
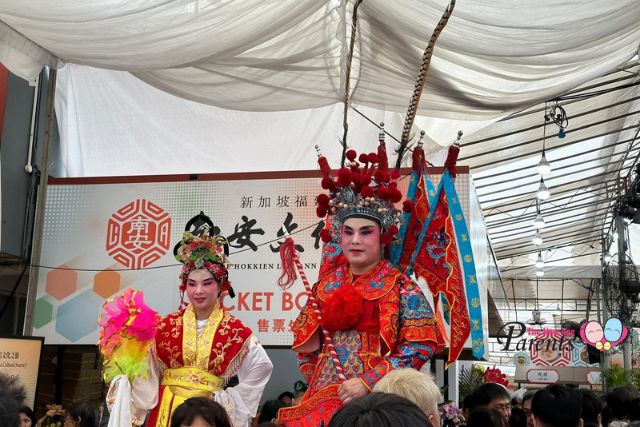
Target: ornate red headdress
[199,250]
[365,187]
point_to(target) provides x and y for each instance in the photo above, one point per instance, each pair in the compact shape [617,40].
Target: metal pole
[626,346]
[40,207]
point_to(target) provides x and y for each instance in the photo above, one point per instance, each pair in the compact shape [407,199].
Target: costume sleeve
[129,402]
[305,328]
[416,336]
[307,364]
[241,401]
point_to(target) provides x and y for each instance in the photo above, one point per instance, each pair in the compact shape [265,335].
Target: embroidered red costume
[379,321]
[196,366]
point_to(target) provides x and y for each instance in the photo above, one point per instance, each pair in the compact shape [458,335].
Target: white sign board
[102,236]
[543,376]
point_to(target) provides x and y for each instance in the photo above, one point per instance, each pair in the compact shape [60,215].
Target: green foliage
[469,380]
[616,376]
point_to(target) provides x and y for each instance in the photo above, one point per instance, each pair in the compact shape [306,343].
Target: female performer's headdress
[202,247]
[365,187]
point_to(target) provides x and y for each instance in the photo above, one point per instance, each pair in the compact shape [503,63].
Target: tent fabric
[256,55]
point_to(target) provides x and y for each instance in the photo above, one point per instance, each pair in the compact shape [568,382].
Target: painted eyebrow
[364,227]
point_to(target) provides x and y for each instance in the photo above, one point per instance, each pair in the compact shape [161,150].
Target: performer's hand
[352,389]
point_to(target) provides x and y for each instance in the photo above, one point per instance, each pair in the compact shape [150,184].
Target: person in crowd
[269,411]
[380,410]
[377,318]
[200,412]
[618,401]
[286,397]
[591,408]
[526,405]
[416,386]
[494,396]
[199,348]
[467,406]
[516,401]
[483,416]
[12,397]
[27,417]
[80,414]
[557,406]
[518,417]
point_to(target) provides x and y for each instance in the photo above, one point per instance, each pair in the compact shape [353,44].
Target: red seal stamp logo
[138,234]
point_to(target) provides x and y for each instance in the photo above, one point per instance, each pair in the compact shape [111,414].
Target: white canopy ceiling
[495,60]
[493,57]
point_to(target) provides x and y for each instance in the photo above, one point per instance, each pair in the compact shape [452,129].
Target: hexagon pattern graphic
[43,313]
[106,283]
[60,282]
[77,317]
[138,234]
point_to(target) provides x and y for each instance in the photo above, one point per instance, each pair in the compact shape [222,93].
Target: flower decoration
[127,330]
[451,415]
[495,375]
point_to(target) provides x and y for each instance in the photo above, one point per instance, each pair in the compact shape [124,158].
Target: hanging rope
[347,78]
[422,75]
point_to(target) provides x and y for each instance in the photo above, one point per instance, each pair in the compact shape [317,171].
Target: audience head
[200,412]
[12,397]
[591,408]
[634,410]
[483,416]
[380,410]
[518,418]
[269,411]
[27,417]
[618,401]
[467,405]
[526,405]
[494,396]
[286,397]
[80,414]
[416,386]
[557,406]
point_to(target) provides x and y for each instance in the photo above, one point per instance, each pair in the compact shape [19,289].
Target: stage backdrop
[102,236]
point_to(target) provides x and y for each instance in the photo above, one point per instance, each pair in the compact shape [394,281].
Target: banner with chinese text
[102,236]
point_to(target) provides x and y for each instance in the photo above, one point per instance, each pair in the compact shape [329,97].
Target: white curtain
[266,55]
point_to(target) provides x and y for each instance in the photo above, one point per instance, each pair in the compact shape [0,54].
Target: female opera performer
[376,317]
[196,350]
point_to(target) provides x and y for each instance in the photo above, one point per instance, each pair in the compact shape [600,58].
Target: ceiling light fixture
[539,273]
[543,192]
[537,239]
[544,167]
[538,222]
[539,261]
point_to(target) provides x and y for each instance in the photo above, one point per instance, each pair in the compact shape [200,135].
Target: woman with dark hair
[27,417]
[200,412]
[484,416]
[198,349]
[80,415]
[380,410]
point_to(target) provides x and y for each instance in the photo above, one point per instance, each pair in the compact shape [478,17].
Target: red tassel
[452,158]
[417,159]
[324,166]
[288,262]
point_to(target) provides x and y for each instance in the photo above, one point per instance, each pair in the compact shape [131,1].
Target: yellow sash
[181,384]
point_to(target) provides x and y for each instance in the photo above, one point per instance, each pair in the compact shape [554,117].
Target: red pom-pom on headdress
[351,155]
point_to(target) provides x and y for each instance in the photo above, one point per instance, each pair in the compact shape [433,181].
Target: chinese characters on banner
[102,238]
